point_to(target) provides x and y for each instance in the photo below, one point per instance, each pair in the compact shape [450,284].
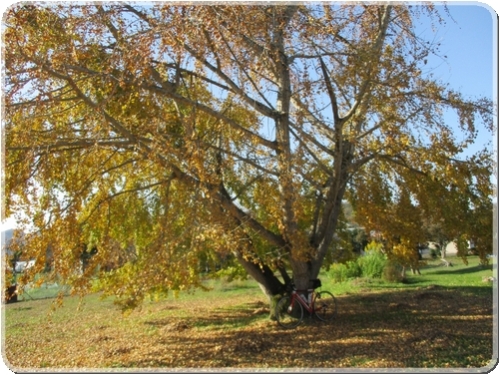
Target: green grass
[442,318]
[46,291]
[433,273]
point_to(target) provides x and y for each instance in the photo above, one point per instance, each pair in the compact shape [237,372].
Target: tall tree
[167,131]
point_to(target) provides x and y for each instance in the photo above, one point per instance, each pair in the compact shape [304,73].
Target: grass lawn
[440,319]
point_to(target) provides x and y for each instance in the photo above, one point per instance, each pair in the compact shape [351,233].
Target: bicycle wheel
[288,315]
[325,305]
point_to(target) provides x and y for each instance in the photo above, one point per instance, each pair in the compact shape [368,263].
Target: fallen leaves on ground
[433,327]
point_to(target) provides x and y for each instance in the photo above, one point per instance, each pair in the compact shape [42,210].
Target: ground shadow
[468,270]
[427,327]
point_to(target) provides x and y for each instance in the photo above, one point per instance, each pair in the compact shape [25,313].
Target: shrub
[374,247]
[372,264]
[337,272]
[340,272]
[353,269]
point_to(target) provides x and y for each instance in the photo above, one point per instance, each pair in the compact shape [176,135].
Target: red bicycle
[290,308]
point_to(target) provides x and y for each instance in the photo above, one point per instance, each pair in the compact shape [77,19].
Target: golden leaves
[162,134]
[224,332]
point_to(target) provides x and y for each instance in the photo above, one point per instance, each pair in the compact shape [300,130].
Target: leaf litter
[421,328]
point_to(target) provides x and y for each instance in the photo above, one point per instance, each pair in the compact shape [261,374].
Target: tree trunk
[443,254]
[403,272]
[270,285]
[265,277]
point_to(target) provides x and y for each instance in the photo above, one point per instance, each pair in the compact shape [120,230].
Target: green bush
[374,247]
[337,272]
[372,264]
[340,272]
[353,269]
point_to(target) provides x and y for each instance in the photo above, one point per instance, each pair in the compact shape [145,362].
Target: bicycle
[289,310]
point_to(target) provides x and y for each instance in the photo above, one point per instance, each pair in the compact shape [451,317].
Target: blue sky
[469,41]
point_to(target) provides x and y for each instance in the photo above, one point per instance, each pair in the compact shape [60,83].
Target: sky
[467,41]
[470,42]
[471,67]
